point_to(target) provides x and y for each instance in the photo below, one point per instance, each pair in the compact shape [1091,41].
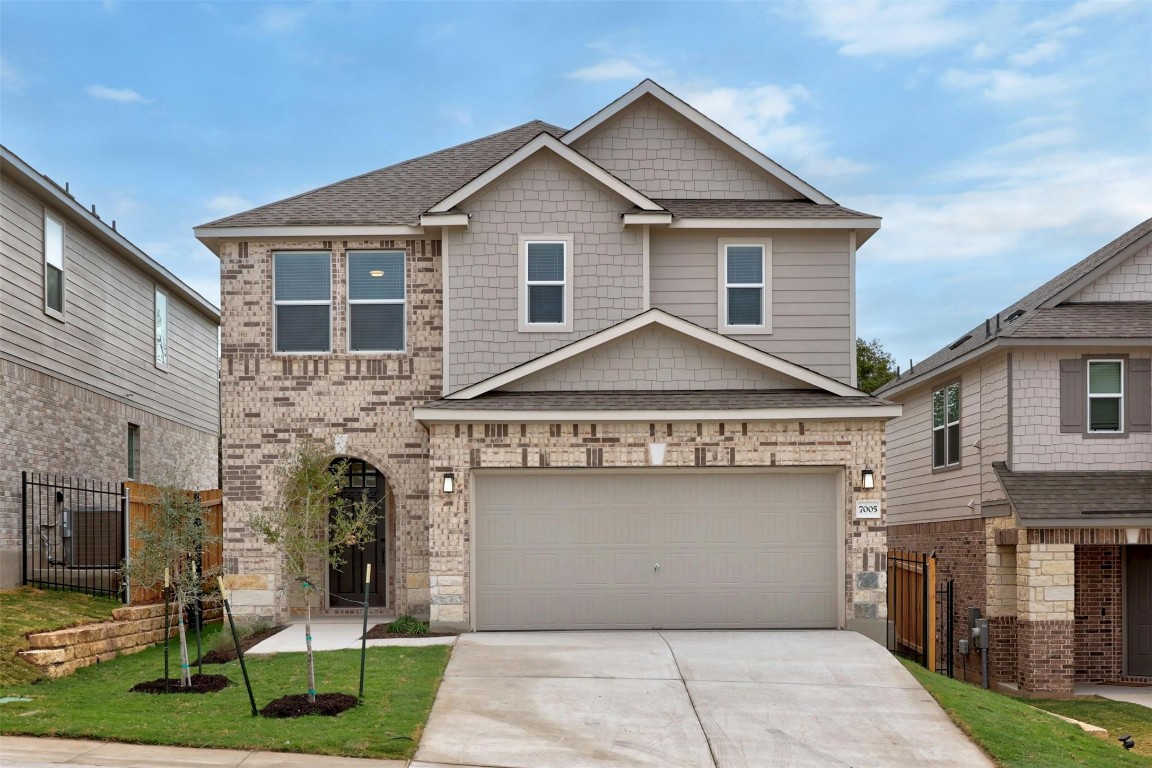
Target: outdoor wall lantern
[1133,535]
[867,479]
[656,453]
[449,482]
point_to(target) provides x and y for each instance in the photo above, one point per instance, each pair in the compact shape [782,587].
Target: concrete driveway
[707,699]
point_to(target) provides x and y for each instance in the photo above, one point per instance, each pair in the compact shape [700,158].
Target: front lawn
[33,610]
[1118,717]
[1018,736]
[94,703]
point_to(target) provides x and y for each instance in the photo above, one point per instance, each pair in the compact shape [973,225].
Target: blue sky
[1000,142]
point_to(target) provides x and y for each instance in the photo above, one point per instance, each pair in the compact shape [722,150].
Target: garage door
[667,549]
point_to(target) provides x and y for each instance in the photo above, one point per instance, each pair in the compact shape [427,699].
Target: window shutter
[1072,395]
[1140,395]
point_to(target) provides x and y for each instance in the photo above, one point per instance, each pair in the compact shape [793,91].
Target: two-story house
[108,361]
[1024,459]
[596,378]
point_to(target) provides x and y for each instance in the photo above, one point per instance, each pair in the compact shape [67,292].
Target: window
[302,295]
[946,427]
[1105,396]
[744,278]
[161,306]
[376,301]
[53,265]
[546,277]
[133,451]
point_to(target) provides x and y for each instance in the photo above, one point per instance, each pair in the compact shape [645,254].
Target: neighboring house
[1024,459]
[108,362]
[509,337]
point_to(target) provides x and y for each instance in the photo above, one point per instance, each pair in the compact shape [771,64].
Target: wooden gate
[140,511]
[912,606]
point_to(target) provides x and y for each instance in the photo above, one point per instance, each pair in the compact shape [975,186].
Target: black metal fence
[74,533]
[945,627]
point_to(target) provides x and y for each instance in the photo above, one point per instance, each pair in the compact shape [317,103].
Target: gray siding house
[108,362]
[597,378]
[1024,459]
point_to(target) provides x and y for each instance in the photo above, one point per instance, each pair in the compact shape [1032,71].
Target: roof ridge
[400,164]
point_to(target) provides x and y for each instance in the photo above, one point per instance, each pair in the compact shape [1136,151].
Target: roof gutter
[429,415]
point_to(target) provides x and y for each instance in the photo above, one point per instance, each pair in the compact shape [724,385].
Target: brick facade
[1046,656]
[1099,613]
[56,427]
[458,448]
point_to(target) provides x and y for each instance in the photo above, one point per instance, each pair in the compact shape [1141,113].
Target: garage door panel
[578,550]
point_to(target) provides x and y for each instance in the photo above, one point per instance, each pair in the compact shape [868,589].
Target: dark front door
[346,583]
[1138,610]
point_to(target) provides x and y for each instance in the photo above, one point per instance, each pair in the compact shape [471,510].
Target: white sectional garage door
[667,549]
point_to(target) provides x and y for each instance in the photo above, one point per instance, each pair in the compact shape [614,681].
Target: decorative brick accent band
[1081,536]
[1046,656]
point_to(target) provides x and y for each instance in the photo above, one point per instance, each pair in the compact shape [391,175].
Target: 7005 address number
[867,510]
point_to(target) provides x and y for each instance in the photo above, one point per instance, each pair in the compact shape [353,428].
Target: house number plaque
[867,510]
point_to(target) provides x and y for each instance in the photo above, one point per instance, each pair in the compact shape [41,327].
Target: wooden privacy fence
[912,606]
[140,512]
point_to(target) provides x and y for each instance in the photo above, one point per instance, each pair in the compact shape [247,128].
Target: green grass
[32,610]
[1018,736]
[1118,717]
[94,703]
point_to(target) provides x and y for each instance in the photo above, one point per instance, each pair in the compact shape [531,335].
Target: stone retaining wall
[132,629]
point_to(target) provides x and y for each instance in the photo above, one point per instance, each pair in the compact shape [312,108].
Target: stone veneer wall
[363,400]
[458,448]
[1045,600]
[1099,613]
[56,427]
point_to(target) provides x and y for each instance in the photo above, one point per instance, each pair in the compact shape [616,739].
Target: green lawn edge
[26,610]
[1017,735]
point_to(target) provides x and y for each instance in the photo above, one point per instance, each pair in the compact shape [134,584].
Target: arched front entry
[346,583]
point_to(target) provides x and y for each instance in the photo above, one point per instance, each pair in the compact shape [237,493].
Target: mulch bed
[227,654]
[200,684]
[380,632]
[297,705]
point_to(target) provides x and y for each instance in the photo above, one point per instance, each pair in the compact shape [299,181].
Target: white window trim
[275,303]
[950,462]
[48,310]
[350,301]
[156,294]
[522,281]
[1103,396]
[765,326]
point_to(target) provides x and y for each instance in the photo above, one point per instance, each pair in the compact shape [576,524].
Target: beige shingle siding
[545,196]
[1130,281]
[755,209]
[662,155]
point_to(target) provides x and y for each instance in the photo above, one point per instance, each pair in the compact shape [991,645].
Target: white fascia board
[1100,271]
[872,224]
[444,220]
[481,415]
[657,316]
[641,219]
[334,232]
[544,141]
[706,124]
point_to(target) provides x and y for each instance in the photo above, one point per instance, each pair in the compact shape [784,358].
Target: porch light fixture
[449,482]
[1133,535]
[656,453]
[867,479]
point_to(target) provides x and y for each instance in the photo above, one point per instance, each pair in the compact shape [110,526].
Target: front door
[346,583]
[1138,611]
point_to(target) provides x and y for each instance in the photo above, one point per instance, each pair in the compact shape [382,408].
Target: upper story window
[745,287]
[53,265]
[546,284]
[302,299]
[946,427]
[1105,396]
[161,312]
[376,301]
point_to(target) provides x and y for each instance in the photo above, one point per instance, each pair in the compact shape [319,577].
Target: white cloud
[610,69]
[11,79]
[120,95]
[281,19]
[228,203]
[878,27]
[1044,51]
[456,114]
[1066,19]
[1008,86]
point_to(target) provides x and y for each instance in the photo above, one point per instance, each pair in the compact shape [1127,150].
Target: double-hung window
[161,312]
[53,265]
[946,427]
[745,287]
[1105,396]
[376,301]
[546,280]
[302,299]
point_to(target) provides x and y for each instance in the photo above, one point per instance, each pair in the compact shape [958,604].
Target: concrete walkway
[334,634]
[693,699]
[1133,694]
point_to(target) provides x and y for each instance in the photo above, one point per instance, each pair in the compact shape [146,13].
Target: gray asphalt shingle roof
[1029,307]
[660,400]
[1116,320]
[756,209]
[395,195]
[1086,496]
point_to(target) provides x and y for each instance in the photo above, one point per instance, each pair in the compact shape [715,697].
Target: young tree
[874,366]
[166,541]
[311,524]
